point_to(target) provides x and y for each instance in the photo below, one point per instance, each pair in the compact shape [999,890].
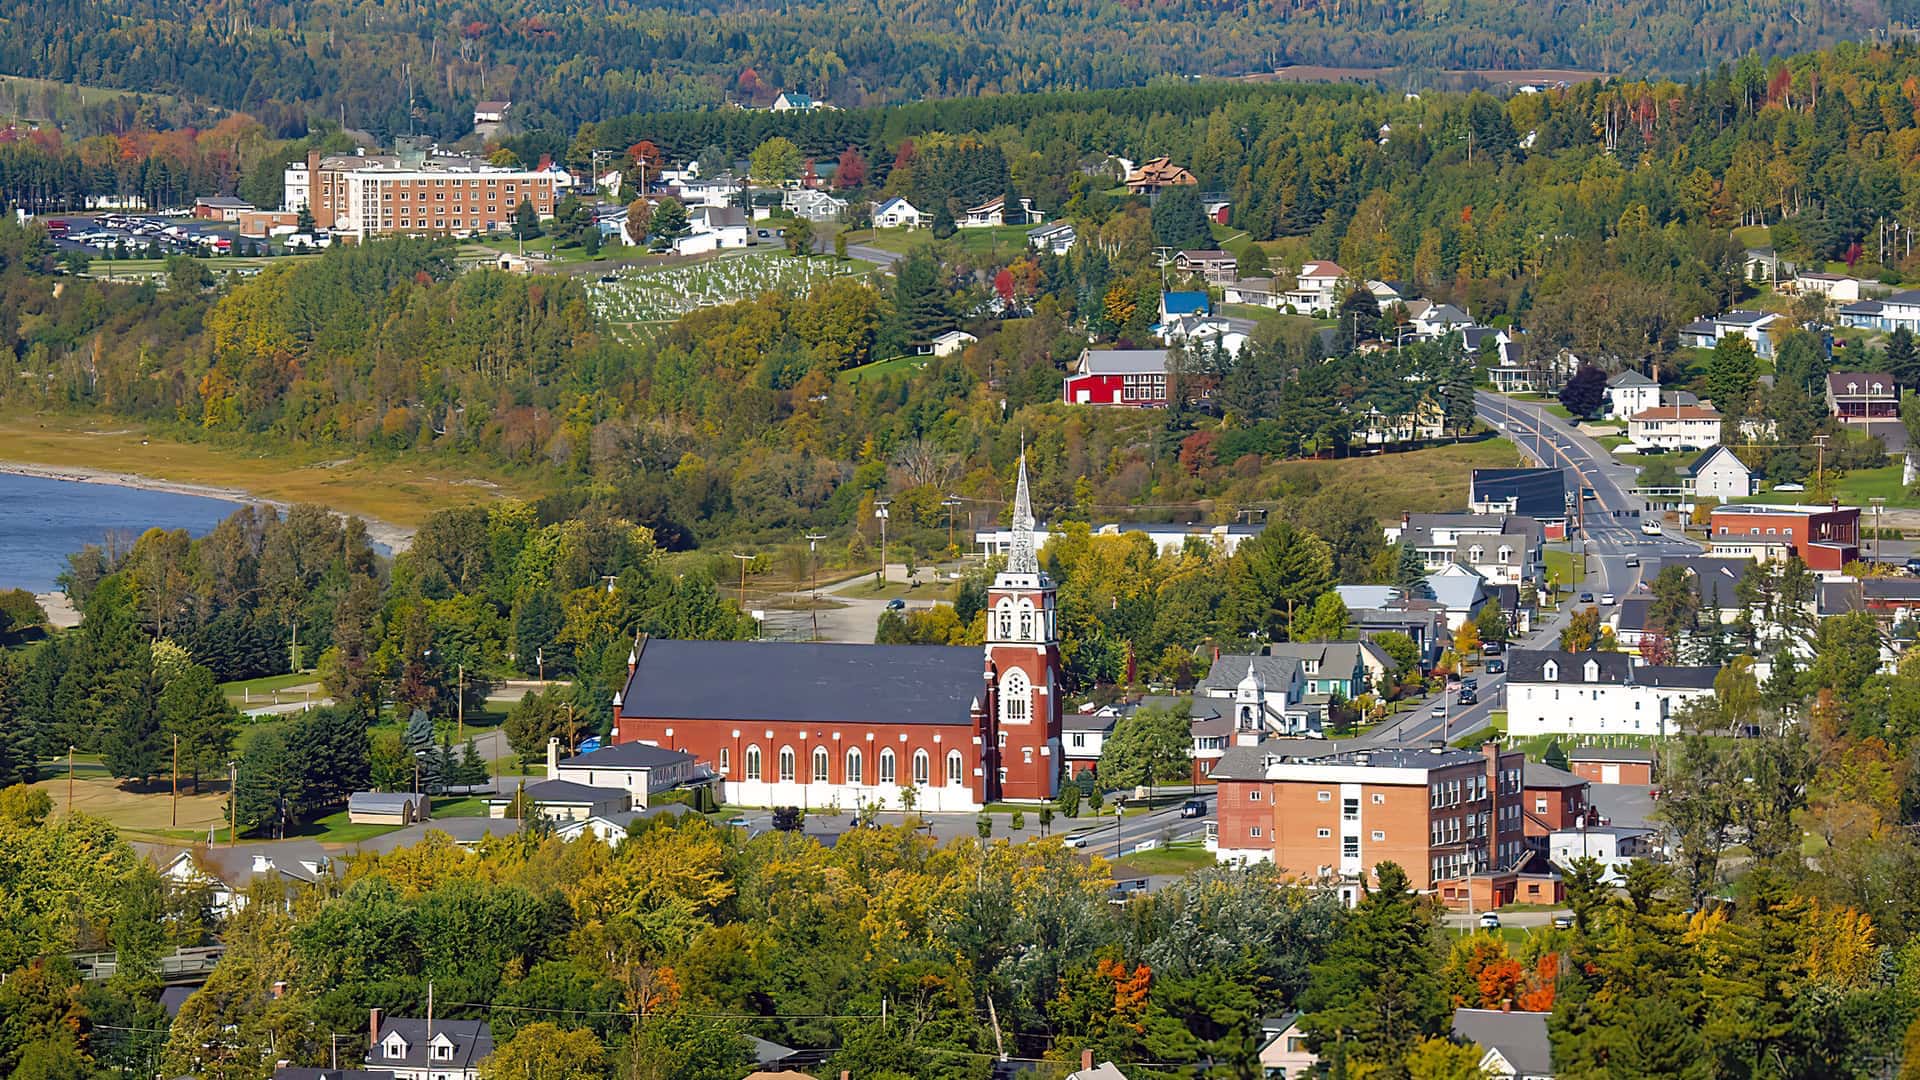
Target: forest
[420,68]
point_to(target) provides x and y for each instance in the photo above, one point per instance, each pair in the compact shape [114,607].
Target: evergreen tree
[473,770]
[526,222]
[1379,989]
[1179,219]
[669,219]
[135,749]
[919,303]
[1410,572]
[419,732]
[193,710]
[1903,358]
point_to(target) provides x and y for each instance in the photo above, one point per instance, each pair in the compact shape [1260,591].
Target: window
[886,766]
[442,1052]
[922,767]
[854,774]
[726,760]
[1026,623]
[786,764]
[819,765]
[1324,796]
[1253,831]
[1379,835]
[1079,740]
[753,763]
[1324,833]
[1350,809]
[1539,806]
[1253,795]
[956,768]
[1006,620]
[1015,694]
[1379,799]
[1349,847]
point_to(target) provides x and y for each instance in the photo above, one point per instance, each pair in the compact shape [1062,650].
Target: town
[800,591]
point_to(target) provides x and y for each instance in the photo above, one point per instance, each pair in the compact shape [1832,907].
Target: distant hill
[563,63]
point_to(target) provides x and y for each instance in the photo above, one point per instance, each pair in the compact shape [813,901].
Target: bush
[1019,819]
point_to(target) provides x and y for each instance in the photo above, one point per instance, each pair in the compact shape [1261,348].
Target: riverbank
[393,537]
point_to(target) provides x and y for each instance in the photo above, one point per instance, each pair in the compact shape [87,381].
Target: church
[822,725]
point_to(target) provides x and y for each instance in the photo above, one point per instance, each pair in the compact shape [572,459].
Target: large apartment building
[414,193]
[1332,815]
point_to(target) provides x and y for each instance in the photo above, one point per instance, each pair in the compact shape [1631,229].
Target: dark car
[1586,598]
[1193,808]
[1467,697]
[1495,667]
[896,604]
[1913,566]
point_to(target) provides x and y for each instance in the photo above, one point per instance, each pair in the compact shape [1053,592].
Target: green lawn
[1753,236]
[242,691]
[880,369]
[1431,480]
[1176,859]
[1854,489]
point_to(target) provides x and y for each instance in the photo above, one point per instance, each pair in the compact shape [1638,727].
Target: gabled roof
[1519,1037]
[1122,361]
[633,755]
[1276,673]
[1457,591]
[1860,383]
[1536,774]
[1863,307]
[805,682]
[472,1043]
[892,201]
[1630,378]
[1322,268]
[1692,468]
[565,792]
[1675,412]
[1529,666]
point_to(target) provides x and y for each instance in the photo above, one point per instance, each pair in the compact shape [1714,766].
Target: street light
[880,511]
[813,542]
[1118,805]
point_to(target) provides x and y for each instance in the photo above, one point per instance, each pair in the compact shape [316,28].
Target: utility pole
[69,779]
[1877,502]
[233,801]
[950,502]
[1820,466]
[744,560]
[460,706]
[880,511]
[813,541]
[174,807]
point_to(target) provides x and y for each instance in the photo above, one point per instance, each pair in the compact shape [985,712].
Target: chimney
[373,1026]
[553,758]
[1086,1059]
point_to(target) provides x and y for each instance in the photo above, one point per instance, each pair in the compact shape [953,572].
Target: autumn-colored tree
[852,170]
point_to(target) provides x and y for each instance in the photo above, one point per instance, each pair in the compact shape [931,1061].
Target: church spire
[1023,559]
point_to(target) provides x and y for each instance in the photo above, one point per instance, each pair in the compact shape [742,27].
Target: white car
[1651,527]
[1490,921]
[1606,599]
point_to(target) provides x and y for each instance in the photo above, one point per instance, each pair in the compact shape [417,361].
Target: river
[43,520]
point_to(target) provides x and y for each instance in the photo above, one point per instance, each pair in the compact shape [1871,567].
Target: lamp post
[1876,502]
[744,560]
[1118,806]
[813,562]
[233,801]
[880,512]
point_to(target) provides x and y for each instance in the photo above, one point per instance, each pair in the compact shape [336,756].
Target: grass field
[1854,489]
[403,491]
[1420,481]
[148,812]
[1175,859]
[1005,238]
[880,369]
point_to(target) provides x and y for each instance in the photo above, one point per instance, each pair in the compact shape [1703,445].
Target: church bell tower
[1022,755]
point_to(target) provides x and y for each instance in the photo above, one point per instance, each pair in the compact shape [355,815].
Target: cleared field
[143,811]
[1421,481]
[402,492]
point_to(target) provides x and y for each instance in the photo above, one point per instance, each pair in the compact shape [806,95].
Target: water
[43,521]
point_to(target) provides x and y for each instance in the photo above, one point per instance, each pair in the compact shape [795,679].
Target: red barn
[823,725]
[1135,378]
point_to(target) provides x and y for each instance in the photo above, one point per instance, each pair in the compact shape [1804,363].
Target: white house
[813,205]
[1057,238]
[490,112]
[896,213]
[1230,334]
[1084,735]
[1896,312]
[1514,1045]
[993,213]
[1316,287]
[1437,320]
[1266,694]
[796,101]
[1254,291]
[1610,845]
[951,342]
[1752,325]
[1674,427]
[1551,692]
[413,1049]
[1839,288]
[1629,394]
[714,228]
[1718,473]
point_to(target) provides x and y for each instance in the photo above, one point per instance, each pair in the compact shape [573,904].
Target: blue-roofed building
[1173,305]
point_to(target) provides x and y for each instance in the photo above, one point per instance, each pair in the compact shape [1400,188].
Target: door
[1609,774]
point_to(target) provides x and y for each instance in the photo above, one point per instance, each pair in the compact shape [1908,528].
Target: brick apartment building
[1826,538]
[414,193]
[1555,800]
[1332,815]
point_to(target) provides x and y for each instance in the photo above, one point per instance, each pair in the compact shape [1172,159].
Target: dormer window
[394,1047]
[1593,671]
[442,1049]
[1550,671]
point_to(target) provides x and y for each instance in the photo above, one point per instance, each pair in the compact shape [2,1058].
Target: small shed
[387,808]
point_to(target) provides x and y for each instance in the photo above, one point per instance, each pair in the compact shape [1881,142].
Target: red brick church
[819,725]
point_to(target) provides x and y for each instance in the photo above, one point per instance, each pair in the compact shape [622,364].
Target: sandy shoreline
[395,538]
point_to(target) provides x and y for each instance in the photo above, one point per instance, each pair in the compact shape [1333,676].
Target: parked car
[1492,648]
[1193,808]
[1586,598]
[1490,921]
[896,604]
[1563,922]
[1495,667]
[1606,599]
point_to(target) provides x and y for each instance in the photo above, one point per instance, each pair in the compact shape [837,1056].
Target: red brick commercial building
[1444,815]
[822,725]
[1555,800]
[1612,764]
[1826,538]
[414,193]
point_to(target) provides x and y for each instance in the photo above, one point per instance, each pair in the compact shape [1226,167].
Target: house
[821,724]
[1900,311]
[796,101]
[1839,288]
[1283,1049]
[1762,264]
[1156,174]
[226,873]
[1331,813]
[221,208]
[813,205]
[1437,320]
[1705,333]
[1826,538]
[1085,733]
[1216,266]
[1057,238]
[1630,393]
[1254,291]
[1516,1044]
[1505,549]
[1613,847]
[950,342]
[1134,378]
[643,770]
[490,112]
[1187,302]
[1388,293]
[1426,419]
[896,213]
[1674,427]
[1316,287]
[1331,668]
[714,228]
[1460,592]
[1228,334]
[1555,799]
[411,1049]
[1612,764]
[993,213]
[610,829]
[1266,691]
[1718,473]
[1106,1070]
[562,800]
[387,808]
[1540,494]
[1550,692]
[1862,396]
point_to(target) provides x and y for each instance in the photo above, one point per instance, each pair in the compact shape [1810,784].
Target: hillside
[363,63]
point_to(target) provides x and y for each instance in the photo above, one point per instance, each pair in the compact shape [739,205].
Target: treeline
[422,69]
